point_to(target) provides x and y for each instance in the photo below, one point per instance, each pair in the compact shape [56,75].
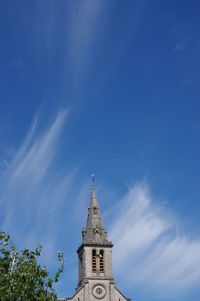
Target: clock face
[99,291]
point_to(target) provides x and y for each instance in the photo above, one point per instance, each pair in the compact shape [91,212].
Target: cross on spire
[93,179]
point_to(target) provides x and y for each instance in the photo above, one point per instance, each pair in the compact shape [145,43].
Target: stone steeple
[94,231]
[95,277]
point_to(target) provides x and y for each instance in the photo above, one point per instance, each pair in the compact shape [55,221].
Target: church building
[95,276]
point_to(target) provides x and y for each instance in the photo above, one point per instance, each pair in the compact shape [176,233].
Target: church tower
[95,277]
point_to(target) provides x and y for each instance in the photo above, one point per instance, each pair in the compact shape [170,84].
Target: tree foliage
[21,277]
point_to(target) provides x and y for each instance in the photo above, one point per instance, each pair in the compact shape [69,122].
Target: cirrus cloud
[148,247]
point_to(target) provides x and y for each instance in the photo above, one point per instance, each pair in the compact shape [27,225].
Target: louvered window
[94,261]
[101,262]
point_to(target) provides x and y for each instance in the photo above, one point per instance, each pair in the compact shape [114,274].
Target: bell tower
[95,252]
[95,277]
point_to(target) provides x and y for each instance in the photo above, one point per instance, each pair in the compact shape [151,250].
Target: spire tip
[93,179]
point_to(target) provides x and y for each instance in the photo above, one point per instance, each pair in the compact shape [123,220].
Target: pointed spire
[94,231]
[93,198]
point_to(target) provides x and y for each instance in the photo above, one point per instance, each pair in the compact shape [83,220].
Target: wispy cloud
[82,30]
[148,247]
[33,190]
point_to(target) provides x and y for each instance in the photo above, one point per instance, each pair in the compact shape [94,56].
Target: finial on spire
[93,179]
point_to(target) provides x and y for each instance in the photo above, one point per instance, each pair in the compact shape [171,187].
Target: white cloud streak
[83,27]
[33,191]
[147,246]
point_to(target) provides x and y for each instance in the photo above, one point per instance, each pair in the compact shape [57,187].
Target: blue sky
[111,88]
